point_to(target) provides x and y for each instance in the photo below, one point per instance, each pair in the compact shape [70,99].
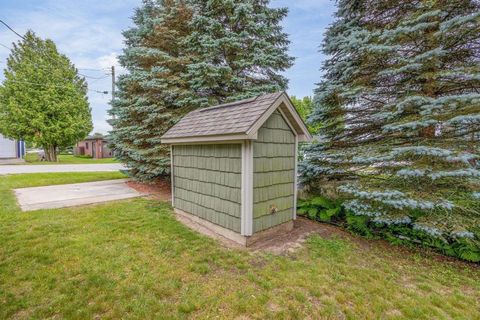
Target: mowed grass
[133,260]
[32,158]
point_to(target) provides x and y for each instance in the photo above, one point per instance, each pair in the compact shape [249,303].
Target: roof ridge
[231,104]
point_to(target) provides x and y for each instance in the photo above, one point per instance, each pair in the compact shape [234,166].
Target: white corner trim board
[172,176]
[247,189]
[295,180]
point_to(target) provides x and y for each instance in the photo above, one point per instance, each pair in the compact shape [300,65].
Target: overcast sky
[89,33]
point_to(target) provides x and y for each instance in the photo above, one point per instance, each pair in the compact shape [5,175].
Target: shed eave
[200,139]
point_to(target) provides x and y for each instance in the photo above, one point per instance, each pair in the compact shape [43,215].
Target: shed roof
[235,120]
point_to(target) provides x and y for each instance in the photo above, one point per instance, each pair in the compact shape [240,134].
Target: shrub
[321,209]
[464,245]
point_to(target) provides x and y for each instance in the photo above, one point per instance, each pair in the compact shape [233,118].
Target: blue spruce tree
[240,50]
[187,54]
[152,94]
[400,105]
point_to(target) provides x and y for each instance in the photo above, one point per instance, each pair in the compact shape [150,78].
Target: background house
[95,146]
[11,149]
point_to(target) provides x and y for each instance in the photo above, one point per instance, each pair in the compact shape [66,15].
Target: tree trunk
[428,132]
[50,153]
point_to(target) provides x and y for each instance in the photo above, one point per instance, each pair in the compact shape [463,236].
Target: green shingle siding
[274,191]
[272,150]
[209,163]
[215,190]
[209,214]
[207,182]
[263,179]
[221,178]
[281,203]
[274,164]
[271,220]
[210,150]
[273,173]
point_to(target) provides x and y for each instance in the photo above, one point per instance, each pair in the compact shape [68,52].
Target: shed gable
[273,173]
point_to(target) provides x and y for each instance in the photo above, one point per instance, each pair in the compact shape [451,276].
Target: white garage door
[7,148]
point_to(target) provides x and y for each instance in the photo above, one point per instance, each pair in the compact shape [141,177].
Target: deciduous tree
[43,100]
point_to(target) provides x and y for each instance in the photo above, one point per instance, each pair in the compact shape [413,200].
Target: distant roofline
[95,137]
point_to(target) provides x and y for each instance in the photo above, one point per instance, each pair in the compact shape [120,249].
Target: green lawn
[132,259]
[32,158]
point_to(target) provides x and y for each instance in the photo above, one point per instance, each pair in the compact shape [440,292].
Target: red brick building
[94,146]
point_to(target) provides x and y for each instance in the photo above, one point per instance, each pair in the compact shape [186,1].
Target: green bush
[358,224]
[463,248]
[325,210]
[321,209]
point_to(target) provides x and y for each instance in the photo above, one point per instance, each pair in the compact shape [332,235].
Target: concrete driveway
[45,168]
[69,195]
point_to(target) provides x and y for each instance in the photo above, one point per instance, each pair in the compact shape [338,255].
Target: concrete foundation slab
[69,195]
[215,231]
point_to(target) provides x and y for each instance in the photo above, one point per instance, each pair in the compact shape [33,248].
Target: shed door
[7,148]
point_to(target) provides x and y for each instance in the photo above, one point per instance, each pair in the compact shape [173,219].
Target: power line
[81,74]
[95,78]
[43,52]
[54,85]
[11,29]
[18,34]
[5,46]
[88,69]
[93,81]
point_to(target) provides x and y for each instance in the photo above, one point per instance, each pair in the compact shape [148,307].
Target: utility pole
[113,87]
[113,82]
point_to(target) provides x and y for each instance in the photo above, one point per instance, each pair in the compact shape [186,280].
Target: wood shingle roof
[231,119]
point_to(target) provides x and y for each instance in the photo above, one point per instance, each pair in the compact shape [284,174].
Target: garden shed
[234,166]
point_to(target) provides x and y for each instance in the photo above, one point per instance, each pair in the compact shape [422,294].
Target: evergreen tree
[401,105]
[183,55]
[42,99]
[240,49]
[154,94]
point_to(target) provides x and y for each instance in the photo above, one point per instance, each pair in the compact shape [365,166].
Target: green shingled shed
[234,166]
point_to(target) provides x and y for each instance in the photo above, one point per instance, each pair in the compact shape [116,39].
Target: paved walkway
[13,169]
[69,195]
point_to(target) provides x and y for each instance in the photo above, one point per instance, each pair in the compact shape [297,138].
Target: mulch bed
[158,190]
